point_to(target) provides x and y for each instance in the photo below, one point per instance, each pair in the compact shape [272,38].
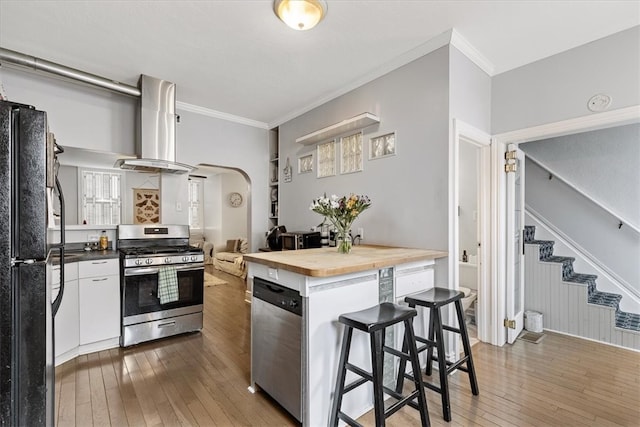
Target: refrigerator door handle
[56,303]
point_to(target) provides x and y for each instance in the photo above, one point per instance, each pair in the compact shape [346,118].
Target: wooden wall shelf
[360,121]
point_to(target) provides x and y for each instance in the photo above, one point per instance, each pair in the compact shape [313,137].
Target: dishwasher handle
[277,295]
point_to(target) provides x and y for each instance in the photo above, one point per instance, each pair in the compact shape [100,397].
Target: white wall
[468,199]
[212,208]
[79,115]
[234,220]
[408,191]
[559,87]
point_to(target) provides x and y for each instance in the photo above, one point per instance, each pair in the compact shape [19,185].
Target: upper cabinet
[360,121]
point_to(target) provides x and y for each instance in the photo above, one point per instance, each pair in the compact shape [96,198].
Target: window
[196,203]
[101,197]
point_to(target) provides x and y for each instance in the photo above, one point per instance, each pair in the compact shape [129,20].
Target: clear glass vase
[343,240]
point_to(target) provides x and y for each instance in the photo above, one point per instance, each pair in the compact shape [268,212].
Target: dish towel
[168,284]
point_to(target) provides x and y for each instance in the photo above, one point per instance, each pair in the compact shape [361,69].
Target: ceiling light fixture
[300,14]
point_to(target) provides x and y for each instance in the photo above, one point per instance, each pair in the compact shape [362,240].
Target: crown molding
[472,53]
[421,50]
[220,115]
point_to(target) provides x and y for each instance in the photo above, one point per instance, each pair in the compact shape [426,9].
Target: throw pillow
[243,246]
[232,245]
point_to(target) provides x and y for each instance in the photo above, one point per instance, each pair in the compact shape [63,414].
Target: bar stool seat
[374,321]
[435,299]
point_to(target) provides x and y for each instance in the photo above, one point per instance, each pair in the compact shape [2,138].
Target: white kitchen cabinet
[66,320]
[99,304]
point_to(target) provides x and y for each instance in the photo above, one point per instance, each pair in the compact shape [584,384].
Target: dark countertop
[77,256]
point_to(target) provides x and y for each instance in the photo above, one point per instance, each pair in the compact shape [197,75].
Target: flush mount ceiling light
[300,14]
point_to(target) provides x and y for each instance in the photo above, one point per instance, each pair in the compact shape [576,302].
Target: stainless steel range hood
[156,144]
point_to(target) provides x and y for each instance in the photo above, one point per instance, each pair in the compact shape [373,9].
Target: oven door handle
[153,270]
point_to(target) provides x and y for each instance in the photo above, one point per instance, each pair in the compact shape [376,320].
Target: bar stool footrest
[347,419]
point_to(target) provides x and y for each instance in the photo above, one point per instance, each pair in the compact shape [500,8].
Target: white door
[515,253]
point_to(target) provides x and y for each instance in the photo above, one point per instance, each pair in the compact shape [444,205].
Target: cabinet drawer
[70,273]
[414,280]
[98,267]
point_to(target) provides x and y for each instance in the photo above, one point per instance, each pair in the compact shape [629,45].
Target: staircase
[570,302]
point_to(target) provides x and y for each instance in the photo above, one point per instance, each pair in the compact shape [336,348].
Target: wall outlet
[361,233]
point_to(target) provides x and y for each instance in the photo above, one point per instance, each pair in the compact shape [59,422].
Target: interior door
[515,245]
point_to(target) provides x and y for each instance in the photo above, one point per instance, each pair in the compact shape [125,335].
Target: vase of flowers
[341,212]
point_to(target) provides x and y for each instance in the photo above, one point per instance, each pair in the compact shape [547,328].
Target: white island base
[374,275]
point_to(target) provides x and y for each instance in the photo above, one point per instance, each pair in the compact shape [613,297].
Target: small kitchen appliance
[148,252]
[300,240]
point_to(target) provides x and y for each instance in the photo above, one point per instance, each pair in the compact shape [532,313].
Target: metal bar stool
[373,321]
[435,299]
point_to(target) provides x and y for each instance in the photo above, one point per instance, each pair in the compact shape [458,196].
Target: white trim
[495,331]
[601,205]
[463,131]
[578,124]
[575,125]
[220,115]
[474,55]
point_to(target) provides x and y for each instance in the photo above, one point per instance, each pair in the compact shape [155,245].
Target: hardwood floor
[202,378]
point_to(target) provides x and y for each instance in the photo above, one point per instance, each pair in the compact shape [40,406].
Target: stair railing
[621,220]
[591,259]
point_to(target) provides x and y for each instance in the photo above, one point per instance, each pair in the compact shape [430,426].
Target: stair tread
[604,298]
[581,278]
[555,258]
[627,320]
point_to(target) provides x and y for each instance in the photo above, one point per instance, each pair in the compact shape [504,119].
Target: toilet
[469,297]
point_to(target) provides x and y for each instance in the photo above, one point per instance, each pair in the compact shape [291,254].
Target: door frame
[500,141]
[462,131]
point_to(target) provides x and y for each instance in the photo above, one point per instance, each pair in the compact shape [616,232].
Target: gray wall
[210,141]
[559,87]
[469,92]
[86,117]
[409,191]
[587,225]
[604,163]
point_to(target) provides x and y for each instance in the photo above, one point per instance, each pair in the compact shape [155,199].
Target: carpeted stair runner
[624,320]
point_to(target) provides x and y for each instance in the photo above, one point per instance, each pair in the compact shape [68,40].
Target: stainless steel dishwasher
[276,338]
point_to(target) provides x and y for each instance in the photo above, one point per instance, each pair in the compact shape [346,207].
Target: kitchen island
[330,284]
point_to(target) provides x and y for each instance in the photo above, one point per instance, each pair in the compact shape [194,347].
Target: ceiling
[236,58]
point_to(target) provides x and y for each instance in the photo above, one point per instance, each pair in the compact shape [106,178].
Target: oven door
[140,301]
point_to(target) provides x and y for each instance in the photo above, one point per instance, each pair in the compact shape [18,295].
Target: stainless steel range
[162,281]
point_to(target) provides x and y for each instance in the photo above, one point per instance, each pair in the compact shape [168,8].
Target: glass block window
[196,203]
[327,159]
[351,153]
[101,196]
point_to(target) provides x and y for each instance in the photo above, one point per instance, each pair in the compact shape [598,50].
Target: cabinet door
[99,308]
[66,327]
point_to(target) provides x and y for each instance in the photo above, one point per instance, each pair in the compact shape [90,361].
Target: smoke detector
[599,102]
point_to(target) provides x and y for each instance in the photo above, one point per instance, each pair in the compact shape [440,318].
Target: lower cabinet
[66,321]
[99,301]
[88,319]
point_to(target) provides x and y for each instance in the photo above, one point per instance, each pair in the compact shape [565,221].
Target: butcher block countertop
[327,262]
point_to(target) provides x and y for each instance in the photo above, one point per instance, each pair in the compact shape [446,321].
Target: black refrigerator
[28,182]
